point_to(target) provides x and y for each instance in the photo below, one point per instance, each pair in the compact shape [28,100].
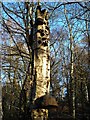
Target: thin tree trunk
[88,37]
[72,82]
[0,100]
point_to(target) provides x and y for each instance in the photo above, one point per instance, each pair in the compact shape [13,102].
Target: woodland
[69,44]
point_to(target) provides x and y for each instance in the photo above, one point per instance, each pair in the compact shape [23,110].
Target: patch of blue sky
[4,79]
[44,0]
[15,8]
[78,29]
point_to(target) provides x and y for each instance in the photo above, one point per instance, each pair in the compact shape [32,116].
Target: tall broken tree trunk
[41,72]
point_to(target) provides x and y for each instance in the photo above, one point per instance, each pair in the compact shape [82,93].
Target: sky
[44,0]
[59,24]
